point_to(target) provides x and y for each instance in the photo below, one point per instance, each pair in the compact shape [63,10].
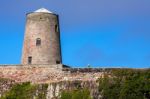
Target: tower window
[29,60]
[57,62]
[56,28]
[38,42]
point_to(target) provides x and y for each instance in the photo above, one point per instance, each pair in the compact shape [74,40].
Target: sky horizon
[101,33]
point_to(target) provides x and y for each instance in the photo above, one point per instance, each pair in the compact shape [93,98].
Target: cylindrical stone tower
[42,39]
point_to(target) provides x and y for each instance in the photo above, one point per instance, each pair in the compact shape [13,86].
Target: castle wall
[32,73]
[44,74]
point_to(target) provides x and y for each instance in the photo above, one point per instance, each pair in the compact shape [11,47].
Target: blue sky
[102,33]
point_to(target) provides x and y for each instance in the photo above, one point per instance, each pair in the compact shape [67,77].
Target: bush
[26,91]
[76,94]
[126,84]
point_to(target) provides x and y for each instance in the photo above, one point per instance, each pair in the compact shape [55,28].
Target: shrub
[26,91]
[76,94]
[126,84]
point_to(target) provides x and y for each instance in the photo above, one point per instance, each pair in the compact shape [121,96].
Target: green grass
[26,91]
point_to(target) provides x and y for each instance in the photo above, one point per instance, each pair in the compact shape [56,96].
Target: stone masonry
[45,74]
[42,39]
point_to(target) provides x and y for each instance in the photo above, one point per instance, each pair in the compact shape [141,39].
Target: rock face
[5,85]
[54,89]
[58,79]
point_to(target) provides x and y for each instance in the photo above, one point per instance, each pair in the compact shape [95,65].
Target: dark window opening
[29,60]
[56,28]
[38,42]
[57,62]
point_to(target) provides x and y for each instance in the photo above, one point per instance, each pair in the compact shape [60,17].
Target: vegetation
[29,91]
[116,84]
[26,91]
[125,84]
[76,94]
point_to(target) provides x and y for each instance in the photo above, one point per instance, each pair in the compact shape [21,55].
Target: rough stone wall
[56,78]
[46,27]
[45,74]
[32,73]
[54,89]
[5,85]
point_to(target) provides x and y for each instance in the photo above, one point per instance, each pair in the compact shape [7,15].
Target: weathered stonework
[32,73]
[58,79]
[45,74]
[5,85]
[54,89]
[45,27]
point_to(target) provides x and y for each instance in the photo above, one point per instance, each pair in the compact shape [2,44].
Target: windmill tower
[42,38]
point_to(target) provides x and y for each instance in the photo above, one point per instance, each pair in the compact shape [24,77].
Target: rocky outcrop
[54,89]
[5,85]
[56,78]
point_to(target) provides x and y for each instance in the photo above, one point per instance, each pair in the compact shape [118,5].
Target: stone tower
[42,38]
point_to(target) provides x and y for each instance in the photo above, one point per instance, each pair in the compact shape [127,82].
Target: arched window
[38,42]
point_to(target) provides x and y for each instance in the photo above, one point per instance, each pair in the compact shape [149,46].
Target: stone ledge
[58,66]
